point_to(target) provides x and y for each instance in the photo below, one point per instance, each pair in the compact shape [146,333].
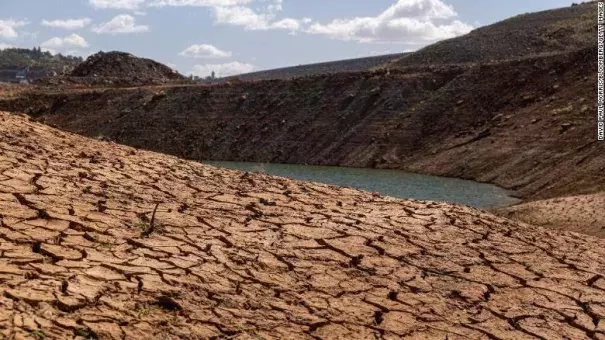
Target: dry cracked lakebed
[103,241]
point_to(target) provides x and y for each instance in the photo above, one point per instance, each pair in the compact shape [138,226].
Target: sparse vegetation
[38,334]
[35,58]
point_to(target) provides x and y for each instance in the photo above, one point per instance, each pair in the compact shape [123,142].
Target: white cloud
[68,43]
[375,53]
[222,70]
[7,28]
[204,51]
[4,46]
[116,4]
[288,24]
[241,16]
[199,3]
[240,13]
[252,20]
[68,24]
[123,23]
[409,21]
[425,9]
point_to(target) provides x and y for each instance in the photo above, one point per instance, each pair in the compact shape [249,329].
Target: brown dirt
[117,68]
[120,64]
[583,213]
[9,91]
[350,65]
[523,124]
[251,256]
[540,33]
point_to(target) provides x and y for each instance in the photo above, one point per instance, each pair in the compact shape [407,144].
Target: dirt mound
[124,65]
[122,243]
[116,69]
[546,32]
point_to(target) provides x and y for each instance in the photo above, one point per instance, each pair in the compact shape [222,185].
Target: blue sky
[235,36]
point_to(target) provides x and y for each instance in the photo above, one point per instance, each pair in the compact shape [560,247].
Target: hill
[124,65]
[350,65]
[40,64]
[116,69]
[102,241]
[546,32]
[541,33]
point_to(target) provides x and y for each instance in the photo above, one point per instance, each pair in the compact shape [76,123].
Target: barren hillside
[524,124]
[350,65]
[530,34]
[248,256]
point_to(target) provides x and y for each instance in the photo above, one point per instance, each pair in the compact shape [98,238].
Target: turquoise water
[393,183]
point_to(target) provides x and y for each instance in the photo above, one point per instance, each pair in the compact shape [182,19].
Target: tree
[37,53]
[212,75]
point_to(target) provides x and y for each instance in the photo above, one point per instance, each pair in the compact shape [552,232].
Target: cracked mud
[104,241]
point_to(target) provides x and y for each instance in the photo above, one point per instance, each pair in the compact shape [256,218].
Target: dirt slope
[583,213]
[350,65]
[546,32]
[525,124]
[253,256]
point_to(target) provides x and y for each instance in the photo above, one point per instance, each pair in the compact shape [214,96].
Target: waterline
[393,183]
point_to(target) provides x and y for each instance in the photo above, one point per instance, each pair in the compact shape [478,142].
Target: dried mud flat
[250,256]
[581,213]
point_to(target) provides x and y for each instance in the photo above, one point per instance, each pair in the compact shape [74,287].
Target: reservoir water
[393,183]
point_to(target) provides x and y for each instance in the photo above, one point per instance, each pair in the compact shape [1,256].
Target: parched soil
[105,241]
[582,213]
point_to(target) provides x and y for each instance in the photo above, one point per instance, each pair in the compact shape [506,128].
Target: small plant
[146,232]
[140,225]
[83,332]
[38,334]
[142,311]
[106,245]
